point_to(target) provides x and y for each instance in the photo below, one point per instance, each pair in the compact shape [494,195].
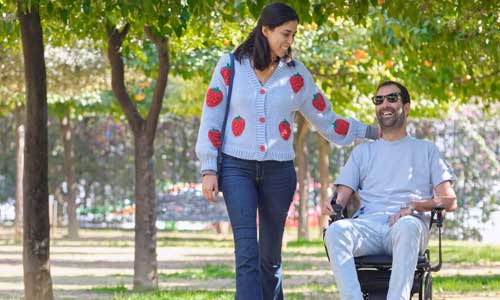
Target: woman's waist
[258,154]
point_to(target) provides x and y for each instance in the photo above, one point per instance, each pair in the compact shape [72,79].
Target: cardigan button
[262,119]
[262,148]
[262,91]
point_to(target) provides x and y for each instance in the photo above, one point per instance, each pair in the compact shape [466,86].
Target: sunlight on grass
[305,244]
[110,289]
[206,272]
[475,283]
[177,295]
[454,252]
[315,287]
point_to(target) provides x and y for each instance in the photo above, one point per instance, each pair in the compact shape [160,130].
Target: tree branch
[115,41]
[161,82]
[462,80]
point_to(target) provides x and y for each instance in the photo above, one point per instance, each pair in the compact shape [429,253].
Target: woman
[257,171]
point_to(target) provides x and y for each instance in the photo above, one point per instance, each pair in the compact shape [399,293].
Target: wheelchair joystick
[337,209]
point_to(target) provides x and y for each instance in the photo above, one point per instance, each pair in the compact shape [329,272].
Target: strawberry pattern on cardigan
[263,115]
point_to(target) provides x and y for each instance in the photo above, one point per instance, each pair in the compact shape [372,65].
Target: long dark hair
[256,45]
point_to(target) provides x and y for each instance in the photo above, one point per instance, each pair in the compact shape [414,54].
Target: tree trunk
[36,243]
[144,131]
[19,172]
[69,174]
[300,150]
[324,177]
[145,263]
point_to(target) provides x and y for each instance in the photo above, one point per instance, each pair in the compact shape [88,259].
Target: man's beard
[396,121]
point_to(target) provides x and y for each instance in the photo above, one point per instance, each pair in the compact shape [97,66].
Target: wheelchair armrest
[437,216]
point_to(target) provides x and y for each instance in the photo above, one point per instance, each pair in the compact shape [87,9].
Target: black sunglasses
[393,97]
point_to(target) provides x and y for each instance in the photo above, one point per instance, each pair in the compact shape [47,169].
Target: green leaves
[444,51]
[255,6]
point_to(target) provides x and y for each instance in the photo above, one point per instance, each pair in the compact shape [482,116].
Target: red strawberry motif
[238,125]
[226,73]
[319,102]
[214,137]
[214,97]
[341,126]
[297,82]
[285,130]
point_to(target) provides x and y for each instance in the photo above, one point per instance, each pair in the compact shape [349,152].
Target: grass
[300,257]
[199,242]
[454,252]
[191,295]
[207,272]
[177,295]
[459,252]
[316,287]
[459,283]
[121,288]
[456,284]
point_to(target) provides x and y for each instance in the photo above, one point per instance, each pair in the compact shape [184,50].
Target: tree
[20,140]
[324,177]
[134,28]
[11,93]
[74,74]
[36,243]
[302,176]
[75,77]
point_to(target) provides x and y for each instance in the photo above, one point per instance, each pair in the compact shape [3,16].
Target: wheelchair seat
[374,271]
[382,261]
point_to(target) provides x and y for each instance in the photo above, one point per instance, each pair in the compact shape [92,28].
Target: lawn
[200,266]
[309,257]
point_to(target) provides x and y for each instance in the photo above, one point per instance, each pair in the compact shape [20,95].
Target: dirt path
[75,269]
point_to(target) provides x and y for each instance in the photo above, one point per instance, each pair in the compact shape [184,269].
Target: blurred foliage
[445,52]
[468,139]
[104,160]
[7,158]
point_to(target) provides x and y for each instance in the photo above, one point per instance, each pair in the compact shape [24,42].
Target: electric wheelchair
[374,271]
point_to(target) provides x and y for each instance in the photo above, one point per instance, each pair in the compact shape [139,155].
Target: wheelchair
[374,271]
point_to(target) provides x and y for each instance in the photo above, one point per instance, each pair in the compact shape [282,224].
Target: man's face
[391,115]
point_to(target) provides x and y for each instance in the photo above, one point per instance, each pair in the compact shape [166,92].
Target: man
[399,179]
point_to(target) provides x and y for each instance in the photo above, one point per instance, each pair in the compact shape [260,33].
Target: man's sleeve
[350,173]
[440,170]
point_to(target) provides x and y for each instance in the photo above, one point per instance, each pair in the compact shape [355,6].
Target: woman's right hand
[210,187]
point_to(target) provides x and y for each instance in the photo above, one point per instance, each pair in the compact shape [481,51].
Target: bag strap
[228,102]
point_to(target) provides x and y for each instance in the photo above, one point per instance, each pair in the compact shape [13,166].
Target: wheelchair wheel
[428,286]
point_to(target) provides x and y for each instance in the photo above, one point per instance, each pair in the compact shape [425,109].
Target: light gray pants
[350,238]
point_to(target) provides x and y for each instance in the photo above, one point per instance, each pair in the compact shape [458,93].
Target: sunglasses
[392,98]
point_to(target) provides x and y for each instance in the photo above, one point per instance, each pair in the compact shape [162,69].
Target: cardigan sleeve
[212,117]
[317,109]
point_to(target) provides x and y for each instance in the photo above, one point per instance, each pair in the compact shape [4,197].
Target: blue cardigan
[261,117]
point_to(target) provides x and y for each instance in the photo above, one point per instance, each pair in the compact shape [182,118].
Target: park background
[120,134]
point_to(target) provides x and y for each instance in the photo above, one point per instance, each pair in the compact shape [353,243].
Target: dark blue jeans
[266,186]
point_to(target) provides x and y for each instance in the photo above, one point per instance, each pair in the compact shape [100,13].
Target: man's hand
[327,209]
[403,212]
[210,187]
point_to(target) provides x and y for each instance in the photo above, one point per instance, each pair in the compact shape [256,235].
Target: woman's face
[280,38]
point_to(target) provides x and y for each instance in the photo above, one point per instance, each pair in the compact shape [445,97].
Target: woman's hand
[210,187]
